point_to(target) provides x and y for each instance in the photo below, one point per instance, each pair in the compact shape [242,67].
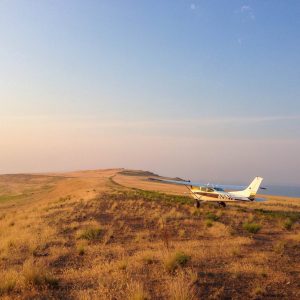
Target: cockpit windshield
[218,189]
[206,189]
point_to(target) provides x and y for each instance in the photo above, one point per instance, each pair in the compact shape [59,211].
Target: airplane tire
[197,204]
[222,204]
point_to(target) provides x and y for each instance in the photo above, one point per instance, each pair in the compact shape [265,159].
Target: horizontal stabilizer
[260,200]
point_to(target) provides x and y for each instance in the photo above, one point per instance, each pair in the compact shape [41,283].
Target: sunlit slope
[112,234]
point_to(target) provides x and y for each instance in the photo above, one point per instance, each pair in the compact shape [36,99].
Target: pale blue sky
[177,87]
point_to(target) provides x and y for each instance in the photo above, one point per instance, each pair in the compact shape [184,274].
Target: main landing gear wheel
[197,204]
[222,204]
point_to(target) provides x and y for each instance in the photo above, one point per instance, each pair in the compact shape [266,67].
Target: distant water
[289,191]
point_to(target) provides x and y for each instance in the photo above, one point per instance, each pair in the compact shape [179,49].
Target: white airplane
[217,192]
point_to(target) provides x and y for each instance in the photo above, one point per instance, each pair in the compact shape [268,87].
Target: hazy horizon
[197,89]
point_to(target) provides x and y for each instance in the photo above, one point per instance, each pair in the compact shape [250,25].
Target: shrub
[181,232]
[91,234]
[258,291]
[211,216]
[209,223]
[252,227]
[81,250]
[122,265]
[196,212]
[178,259]
[288,223]
[236,251]
[148,259]
[279,247]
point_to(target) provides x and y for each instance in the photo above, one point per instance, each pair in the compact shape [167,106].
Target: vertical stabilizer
[254,186]
[251,190]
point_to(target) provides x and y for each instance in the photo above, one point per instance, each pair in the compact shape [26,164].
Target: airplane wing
[191,183]
[179,182]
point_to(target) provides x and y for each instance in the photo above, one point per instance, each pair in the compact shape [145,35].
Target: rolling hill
[111,234]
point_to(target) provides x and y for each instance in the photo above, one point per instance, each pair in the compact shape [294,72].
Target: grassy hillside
[111,235]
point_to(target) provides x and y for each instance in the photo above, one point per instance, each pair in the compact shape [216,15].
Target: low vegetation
[175,260]
[8,282]
[182,287]
[81,249]
[294,216]
[103,235]
[252,227]
[209,223]
[288,223]
[38,275]
[137,291]
[151,196]
[211,216]
[91,234]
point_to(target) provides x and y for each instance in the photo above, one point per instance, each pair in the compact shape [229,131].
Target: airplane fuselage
[213,194]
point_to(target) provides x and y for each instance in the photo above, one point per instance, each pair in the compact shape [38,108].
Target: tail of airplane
[252,189]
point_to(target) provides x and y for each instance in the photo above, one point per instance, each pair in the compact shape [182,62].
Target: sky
[197,89]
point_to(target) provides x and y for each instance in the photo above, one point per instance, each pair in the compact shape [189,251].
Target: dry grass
[288,223]
[175,260]
[252,227]
[136,291]
[90,234]
[181,287]
[38,274]
[84,235]
[8,282]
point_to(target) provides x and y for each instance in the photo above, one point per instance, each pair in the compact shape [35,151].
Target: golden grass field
[110,234]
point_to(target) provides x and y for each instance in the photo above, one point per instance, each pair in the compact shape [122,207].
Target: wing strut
[198,199]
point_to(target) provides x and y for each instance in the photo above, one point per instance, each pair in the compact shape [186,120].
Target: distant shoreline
[287,191]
